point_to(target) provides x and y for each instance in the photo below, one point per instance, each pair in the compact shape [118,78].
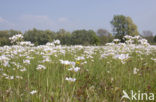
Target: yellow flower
[77,62]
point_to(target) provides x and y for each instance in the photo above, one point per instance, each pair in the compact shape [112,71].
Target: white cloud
[26,22]
[37,21]
[5,24]
[68,24]
[36,18]
[62,20]
[2,20]
[44,22]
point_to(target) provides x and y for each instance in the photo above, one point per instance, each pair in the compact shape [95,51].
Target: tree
[154,39]
[84,37]
[39,36]
[122,26]
[5,34]
[102,32]
[64,37]
[104,36]
[148,35]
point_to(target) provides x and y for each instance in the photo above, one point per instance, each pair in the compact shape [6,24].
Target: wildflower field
[57,73]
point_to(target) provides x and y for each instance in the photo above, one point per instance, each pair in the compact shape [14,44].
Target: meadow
[57,73]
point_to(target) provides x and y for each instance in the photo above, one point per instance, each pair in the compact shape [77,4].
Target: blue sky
[75,14]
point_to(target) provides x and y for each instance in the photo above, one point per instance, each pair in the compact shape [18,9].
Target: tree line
[122,25]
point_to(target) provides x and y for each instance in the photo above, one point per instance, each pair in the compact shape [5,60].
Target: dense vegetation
[122,26]
[56,73]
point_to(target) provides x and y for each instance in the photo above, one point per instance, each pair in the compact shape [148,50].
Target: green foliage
[5,34]
[104,36]
[84,37]
[148,35]
[64,37]
[154,39]
[122,26]
[39,36]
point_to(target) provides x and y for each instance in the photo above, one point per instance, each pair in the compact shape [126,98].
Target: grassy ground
[102,76]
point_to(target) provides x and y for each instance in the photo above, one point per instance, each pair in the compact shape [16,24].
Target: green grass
[99,80]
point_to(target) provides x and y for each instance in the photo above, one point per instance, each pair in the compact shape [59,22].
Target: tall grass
[105,71]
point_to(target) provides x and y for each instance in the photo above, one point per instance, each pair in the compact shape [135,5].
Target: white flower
[19,77]
[110,44]
[16,38]
[26,61]
[116,40]
[56,42]
[9,77]
[33,92]
[129,41]
[23,70]
[76,69]
[50,44]
[85,62]
[128,37]
[70,79]
[28,57]
[143,42]
[26,43]
[154,59]
[46,59]
[108,71]
[80,58]
[66,62]
[4,60]
[39,67]
[4,74]
[136,37]
[122,56]
[135,70]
